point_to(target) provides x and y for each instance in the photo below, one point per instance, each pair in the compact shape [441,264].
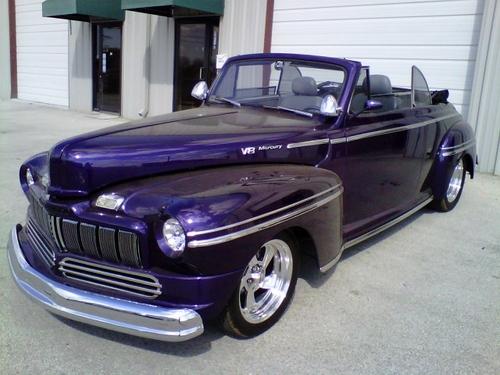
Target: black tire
[446,204]
[233,319]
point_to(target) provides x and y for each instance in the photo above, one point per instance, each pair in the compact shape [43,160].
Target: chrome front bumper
[138,319]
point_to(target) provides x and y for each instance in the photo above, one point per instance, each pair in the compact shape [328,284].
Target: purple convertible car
[155,227]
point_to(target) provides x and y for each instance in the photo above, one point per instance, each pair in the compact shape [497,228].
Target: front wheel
[454,190]
[266,288]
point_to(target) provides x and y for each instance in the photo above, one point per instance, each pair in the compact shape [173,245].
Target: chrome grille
[83,238]
[39,243]
[136,283]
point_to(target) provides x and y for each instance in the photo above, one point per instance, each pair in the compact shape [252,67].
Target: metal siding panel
[42,54]
[440,37]
[242,27]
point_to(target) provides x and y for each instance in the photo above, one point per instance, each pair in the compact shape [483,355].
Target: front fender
[228,213]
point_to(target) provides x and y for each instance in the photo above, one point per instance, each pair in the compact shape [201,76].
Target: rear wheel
[454,190]
[266,288]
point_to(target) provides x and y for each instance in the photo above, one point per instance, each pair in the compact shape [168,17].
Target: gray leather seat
[304,95]
[380,89]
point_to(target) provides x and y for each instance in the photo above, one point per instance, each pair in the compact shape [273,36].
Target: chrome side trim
[335,141]
[453,150]
[265,225]
[374,232]
[385,226]
[331,263]
[239,223]
[377,133]
[309,143]
[134,318]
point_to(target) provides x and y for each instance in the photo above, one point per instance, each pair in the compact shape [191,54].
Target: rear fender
[458,143]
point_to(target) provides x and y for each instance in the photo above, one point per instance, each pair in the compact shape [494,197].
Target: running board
[374,232]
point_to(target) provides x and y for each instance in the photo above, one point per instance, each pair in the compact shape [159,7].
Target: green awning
[83,10]
[176,8]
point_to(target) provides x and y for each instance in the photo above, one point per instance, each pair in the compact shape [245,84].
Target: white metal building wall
[42,55]
[440,37]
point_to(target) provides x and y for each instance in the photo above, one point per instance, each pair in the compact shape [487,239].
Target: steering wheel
[328,83]
[328,87]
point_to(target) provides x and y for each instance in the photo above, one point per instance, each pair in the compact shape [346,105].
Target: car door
[383,157]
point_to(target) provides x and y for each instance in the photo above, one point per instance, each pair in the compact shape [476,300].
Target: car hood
[186,140]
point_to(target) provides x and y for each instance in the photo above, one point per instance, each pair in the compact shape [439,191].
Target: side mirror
[329,106]
[371,105]
[200,91]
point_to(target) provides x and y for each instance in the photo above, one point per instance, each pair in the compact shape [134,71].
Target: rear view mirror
[371,105]
[200,91]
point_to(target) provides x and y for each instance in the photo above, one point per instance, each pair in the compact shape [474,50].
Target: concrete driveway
[422,298]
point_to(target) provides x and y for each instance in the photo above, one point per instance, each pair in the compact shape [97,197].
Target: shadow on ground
[310,272]
[191,348]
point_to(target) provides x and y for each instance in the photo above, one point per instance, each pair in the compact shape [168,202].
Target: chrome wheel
[455,182]
[266,281]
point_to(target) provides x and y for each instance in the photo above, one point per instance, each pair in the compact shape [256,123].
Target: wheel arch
[457,143]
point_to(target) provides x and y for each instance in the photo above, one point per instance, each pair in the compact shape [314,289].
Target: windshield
[281,84]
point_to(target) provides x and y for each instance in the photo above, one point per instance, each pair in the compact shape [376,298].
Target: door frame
[210,20]
[94,26]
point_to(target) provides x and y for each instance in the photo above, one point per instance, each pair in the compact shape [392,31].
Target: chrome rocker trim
[374,232]
[138,319]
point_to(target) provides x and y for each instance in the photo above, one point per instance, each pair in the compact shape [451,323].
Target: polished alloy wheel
[266,281]
[455,182]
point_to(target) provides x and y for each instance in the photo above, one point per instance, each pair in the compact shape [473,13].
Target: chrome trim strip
[335,141]
[459,145]
[37,241]
[208,231]
[59,234]
[308,143]
[387,225]
[331,263]
[374,232]
[377,133]
[265,225]
[134,318]
[453,150]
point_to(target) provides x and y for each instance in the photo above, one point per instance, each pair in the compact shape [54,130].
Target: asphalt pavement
[421,298]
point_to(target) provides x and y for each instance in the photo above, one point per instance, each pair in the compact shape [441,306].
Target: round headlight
[29,177]
[174,235]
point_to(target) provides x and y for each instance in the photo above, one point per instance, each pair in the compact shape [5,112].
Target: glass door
[196,48]
[107,43]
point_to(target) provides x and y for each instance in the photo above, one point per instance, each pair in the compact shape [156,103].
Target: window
[294,84]
[420,95]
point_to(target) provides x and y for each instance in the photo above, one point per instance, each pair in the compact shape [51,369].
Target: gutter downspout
[147,70]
